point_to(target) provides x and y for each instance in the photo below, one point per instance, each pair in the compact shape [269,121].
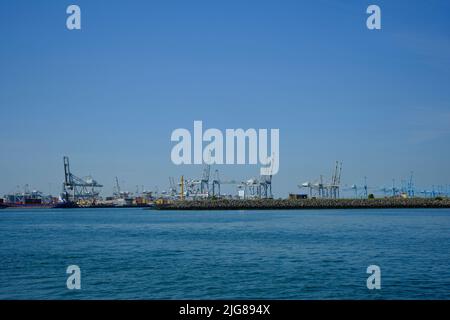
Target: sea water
[296,254]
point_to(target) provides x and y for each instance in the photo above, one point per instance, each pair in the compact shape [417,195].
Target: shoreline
[287,204]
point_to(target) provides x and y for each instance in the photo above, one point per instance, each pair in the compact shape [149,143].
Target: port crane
[173,189]
[217,183]
[75,188]
[259,187]
[266,182]
[411,191]
[117,193]
[204,182]
[326,190]
[209,185]
[360,191]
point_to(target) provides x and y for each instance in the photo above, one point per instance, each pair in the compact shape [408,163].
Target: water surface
[148,254]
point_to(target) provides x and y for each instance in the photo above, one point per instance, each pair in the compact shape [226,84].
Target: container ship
[27,199]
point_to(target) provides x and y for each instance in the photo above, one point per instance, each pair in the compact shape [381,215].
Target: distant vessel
[27,199]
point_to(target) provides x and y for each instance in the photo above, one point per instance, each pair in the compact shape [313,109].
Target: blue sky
[110,95]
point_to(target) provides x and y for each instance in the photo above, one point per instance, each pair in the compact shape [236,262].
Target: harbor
[207,193]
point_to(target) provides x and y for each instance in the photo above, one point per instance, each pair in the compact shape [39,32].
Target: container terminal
[206,193]
[77,193]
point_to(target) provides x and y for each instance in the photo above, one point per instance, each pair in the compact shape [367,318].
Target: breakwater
[266,204]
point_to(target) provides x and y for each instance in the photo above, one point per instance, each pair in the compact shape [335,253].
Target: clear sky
[110,95]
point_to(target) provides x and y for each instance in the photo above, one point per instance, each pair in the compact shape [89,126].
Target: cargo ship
[28,199]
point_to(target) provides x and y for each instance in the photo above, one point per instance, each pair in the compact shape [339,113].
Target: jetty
[286,204]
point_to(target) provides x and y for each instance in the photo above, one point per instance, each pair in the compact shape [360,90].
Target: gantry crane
[75,188]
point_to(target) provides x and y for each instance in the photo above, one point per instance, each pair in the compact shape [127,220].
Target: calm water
[143,254]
